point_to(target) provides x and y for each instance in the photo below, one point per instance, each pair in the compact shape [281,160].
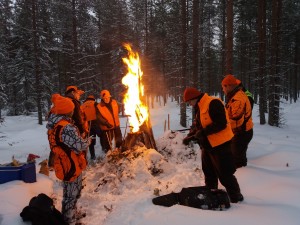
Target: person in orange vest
[239,111]
[89,109]
[109,111]
[69,148]
[213,133]
[74,94]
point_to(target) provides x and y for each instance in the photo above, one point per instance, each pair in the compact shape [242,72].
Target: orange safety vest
[67,164]
[240,114]
[220,137]
[89,110]
[111,117]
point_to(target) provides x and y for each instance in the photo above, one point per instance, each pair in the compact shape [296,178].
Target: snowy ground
[120,192]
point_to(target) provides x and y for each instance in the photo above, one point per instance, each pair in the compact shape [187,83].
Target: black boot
[92,152]
[236,198]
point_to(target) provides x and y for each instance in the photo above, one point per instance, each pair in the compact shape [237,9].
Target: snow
[119,190]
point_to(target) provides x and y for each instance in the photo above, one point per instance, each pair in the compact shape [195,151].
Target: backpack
[197,197]
[41,211]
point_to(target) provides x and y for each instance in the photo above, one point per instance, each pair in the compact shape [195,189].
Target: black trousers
[108,136]
[218,164]
[239,147]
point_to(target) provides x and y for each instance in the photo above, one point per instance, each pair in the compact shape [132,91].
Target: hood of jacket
[54,119]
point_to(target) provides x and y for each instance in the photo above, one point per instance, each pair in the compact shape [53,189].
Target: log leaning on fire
[144,135]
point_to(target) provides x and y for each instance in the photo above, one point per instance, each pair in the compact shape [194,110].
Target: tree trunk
[261,30]
[209,55]
[74,57]
[296,66]
[274,93]
[223,45]
[36,63]
[229,38]
[201,57]
[195,42]
[183,60]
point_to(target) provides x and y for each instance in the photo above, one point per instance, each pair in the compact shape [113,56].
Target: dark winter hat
[190,93]
[61,105]
[229,80]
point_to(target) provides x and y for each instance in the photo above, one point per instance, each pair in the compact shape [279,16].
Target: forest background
[47,45]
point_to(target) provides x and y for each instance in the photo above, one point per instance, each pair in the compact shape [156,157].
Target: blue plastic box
[26,172]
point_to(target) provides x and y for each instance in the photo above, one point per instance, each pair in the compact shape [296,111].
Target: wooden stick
[109,140]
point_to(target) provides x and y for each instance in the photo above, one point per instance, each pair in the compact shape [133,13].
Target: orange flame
[134,107]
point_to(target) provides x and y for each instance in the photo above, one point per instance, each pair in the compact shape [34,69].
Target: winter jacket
[110,112]
[239,111]
[68,147]
[214,120]
[89,110]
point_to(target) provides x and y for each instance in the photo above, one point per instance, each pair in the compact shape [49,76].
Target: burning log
[144,135]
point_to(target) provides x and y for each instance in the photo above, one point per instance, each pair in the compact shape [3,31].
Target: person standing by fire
[213,133]
[239,111]
[109,110]
[90,114]
[73,93]
[69,149]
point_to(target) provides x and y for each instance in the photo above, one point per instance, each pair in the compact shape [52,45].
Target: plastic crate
[25,172]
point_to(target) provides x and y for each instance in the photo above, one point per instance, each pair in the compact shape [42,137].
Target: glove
[83,135]
[200,136]
[191,133]
[188,139]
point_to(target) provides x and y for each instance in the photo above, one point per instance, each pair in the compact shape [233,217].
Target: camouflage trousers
[71,192]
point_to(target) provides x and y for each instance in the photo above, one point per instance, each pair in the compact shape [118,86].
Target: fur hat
[190,93]
[104,93]
[61,105]
[74,88]
[229,80]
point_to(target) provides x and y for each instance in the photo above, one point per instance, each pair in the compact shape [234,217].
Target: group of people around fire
[223,133]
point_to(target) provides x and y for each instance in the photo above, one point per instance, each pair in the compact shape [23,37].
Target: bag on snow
[198,197]
[41,211]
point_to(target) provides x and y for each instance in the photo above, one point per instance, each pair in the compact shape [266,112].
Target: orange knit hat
[190,93]
[61,105]
[229,80]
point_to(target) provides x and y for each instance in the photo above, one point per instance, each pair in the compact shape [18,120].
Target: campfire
[134,104]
